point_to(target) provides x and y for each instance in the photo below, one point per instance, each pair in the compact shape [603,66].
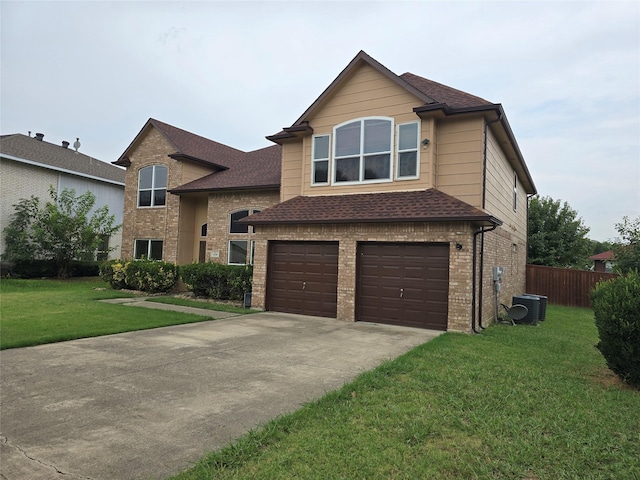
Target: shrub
[33,268]
[151,276]
[214,280]
[616,305]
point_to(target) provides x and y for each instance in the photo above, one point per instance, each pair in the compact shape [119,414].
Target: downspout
[474,275]
[481,231]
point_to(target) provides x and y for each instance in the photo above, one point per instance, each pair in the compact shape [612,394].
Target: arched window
[152,186]
[203,230]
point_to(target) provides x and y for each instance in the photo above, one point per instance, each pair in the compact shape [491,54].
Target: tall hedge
[214,280]
[616,305]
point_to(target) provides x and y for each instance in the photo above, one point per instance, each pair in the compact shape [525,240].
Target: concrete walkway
[147,404]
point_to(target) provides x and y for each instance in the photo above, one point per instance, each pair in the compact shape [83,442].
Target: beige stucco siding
[460,158]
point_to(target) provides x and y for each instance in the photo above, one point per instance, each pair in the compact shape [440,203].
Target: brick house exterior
[29,166]
[391,199]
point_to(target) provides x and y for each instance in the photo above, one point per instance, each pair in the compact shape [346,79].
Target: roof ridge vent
[39,136]
[65,144]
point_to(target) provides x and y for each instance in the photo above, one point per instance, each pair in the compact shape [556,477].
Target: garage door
[302,277]
[403,284]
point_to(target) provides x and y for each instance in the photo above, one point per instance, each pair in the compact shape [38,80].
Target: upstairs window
[362,151]
[152,186]
[320,160]
[408,150]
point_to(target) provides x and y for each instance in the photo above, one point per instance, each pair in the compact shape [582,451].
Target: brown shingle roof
[53,156]
[419,206]
[608,255]
[257,169]
[444,94]
[189,145]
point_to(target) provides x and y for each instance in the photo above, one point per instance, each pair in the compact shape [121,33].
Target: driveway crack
[5,440]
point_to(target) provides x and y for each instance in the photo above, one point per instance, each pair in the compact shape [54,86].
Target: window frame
[250,251]
[149,241]
[407,150]
[153,188]
[362,155]
[315,160]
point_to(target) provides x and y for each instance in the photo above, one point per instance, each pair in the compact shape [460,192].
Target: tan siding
[499,193]
[460,158]
[192,171]
[366,93]
[291,170]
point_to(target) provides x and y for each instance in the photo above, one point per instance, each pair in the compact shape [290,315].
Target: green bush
[49,268]
[214,280]
[616,305]
[151,276]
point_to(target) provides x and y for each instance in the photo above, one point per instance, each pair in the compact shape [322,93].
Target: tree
[65,229]
[627,252]
[557,236]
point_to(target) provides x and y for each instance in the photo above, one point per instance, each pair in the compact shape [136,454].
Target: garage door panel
[403,283]
[302,278]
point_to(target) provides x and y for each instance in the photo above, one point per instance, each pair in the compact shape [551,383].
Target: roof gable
[26,149]
[187,145]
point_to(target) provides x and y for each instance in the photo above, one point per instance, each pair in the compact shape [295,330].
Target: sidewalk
[142,302]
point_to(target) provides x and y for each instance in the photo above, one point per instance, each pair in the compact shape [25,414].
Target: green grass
[33,312]
[218,307]
[512,403]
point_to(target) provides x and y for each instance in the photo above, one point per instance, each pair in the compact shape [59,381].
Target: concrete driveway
[148,404]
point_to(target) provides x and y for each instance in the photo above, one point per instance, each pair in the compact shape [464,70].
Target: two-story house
[389,200]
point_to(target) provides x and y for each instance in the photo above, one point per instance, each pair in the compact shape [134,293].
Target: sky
[566,73]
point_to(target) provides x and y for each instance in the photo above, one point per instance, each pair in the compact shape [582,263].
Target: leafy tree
[627,253]
[63,230]
[557,236]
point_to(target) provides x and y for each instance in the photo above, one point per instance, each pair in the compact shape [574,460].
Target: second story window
[320,169]
[362,151]
[152,186]
[408,150]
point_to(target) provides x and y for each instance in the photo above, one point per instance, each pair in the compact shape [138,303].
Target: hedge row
[48,268]
[211,280]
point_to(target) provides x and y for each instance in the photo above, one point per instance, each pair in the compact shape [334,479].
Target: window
[203,230]
[239,253]
[103,248]
[362,150]
[515,191]
[241,250]
[408,150]
[320,155]
[149,249]
[152,186]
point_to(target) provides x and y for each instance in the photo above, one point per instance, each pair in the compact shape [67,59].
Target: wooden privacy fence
[563,286]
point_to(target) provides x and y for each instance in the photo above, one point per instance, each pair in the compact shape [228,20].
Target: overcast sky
[567,74]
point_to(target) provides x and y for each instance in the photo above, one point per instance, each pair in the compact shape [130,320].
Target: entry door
[302,277]
[403,284]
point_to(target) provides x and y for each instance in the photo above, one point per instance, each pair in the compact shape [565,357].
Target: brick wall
[348,236]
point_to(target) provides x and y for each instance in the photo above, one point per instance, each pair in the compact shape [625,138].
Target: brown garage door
[302,278]
[403,284]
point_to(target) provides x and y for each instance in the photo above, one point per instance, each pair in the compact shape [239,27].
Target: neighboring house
[390,200]
[603,262]
[29,166]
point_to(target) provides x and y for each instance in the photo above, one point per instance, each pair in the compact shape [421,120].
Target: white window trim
[515,191]
[250,251]
[398,152]
[314,160]
[362,155]
[148,240]
[153,188]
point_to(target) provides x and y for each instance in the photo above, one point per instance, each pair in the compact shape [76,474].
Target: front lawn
[512,403]
[34,312]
